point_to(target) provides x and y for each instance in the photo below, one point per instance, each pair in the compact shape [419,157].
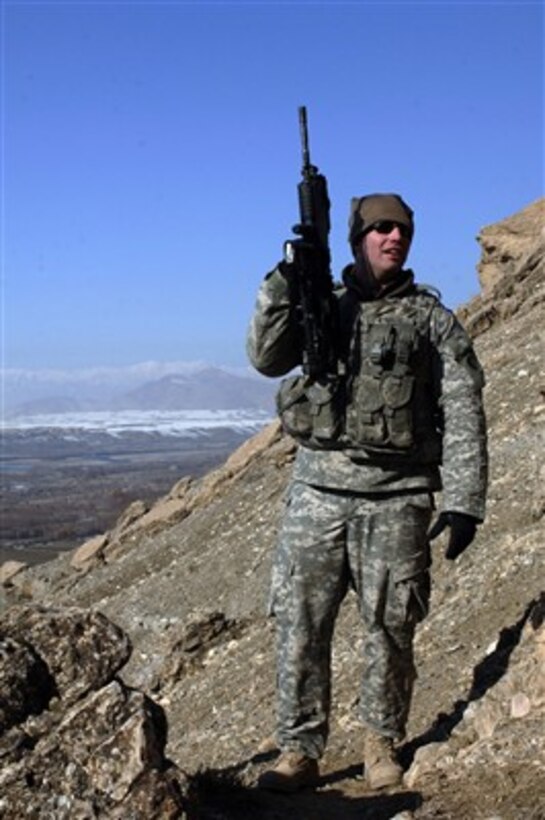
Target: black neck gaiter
[360,278]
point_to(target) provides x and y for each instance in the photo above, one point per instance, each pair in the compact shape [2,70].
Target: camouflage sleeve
[461,381]
[273,343]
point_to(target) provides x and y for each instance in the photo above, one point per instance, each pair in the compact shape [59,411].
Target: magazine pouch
[379,411]
[309,410]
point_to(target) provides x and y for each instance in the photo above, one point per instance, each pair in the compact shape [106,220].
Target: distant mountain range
[211,389]
[150,386]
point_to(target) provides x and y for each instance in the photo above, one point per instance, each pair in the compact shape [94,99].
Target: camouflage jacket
[431,433]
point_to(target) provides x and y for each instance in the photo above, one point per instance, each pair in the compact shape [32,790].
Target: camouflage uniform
[357,514]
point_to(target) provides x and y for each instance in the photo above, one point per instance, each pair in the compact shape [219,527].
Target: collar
[402,285]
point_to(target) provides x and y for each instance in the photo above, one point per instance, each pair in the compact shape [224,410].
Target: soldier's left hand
[462,532]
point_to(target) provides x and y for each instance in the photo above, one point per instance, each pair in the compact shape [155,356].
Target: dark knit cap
[366,210]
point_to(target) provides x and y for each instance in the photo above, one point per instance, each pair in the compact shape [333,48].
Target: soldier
[408,419]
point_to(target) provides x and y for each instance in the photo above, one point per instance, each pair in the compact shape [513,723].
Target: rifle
[309,260]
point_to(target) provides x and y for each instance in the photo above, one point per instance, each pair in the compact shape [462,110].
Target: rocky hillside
[188,719]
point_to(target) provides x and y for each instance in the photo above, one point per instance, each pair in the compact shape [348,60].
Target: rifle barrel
[304,135]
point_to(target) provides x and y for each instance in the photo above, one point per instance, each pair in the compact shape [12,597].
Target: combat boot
[292,771]
[381,766]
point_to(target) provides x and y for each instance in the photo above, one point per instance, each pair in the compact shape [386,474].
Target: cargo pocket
[412,586]
[281,565]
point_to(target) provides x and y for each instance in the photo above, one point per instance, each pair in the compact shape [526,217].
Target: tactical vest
[384,399]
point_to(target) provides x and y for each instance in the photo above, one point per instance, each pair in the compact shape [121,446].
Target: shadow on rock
[486,674]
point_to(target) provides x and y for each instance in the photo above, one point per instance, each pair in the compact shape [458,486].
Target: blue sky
[150,156]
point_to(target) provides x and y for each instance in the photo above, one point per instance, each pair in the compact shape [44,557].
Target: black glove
[462,532]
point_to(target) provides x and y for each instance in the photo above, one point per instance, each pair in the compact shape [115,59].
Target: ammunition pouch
[311,411]
[380,411]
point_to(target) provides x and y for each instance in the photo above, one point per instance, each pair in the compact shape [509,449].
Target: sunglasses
[386,226]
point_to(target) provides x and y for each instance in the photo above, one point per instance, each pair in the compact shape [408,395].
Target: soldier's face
[386,246]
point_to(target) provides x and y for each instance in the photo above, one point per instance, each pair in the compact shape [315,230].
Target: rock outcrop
[511,269]
[187,578]
[75,741]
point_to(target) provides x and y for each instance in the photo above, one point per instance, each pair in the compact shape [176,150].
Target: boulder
[75,741]
[9,569]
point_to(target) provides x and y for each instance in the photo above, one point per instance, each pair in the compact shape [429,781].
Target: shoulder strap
[349,303]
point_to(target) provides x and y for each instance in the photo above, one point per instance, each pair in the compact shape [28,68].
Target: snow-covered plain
[167,423]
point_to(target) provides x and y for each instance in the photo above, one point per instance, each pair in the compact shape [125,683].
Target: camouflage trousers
[331,541]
